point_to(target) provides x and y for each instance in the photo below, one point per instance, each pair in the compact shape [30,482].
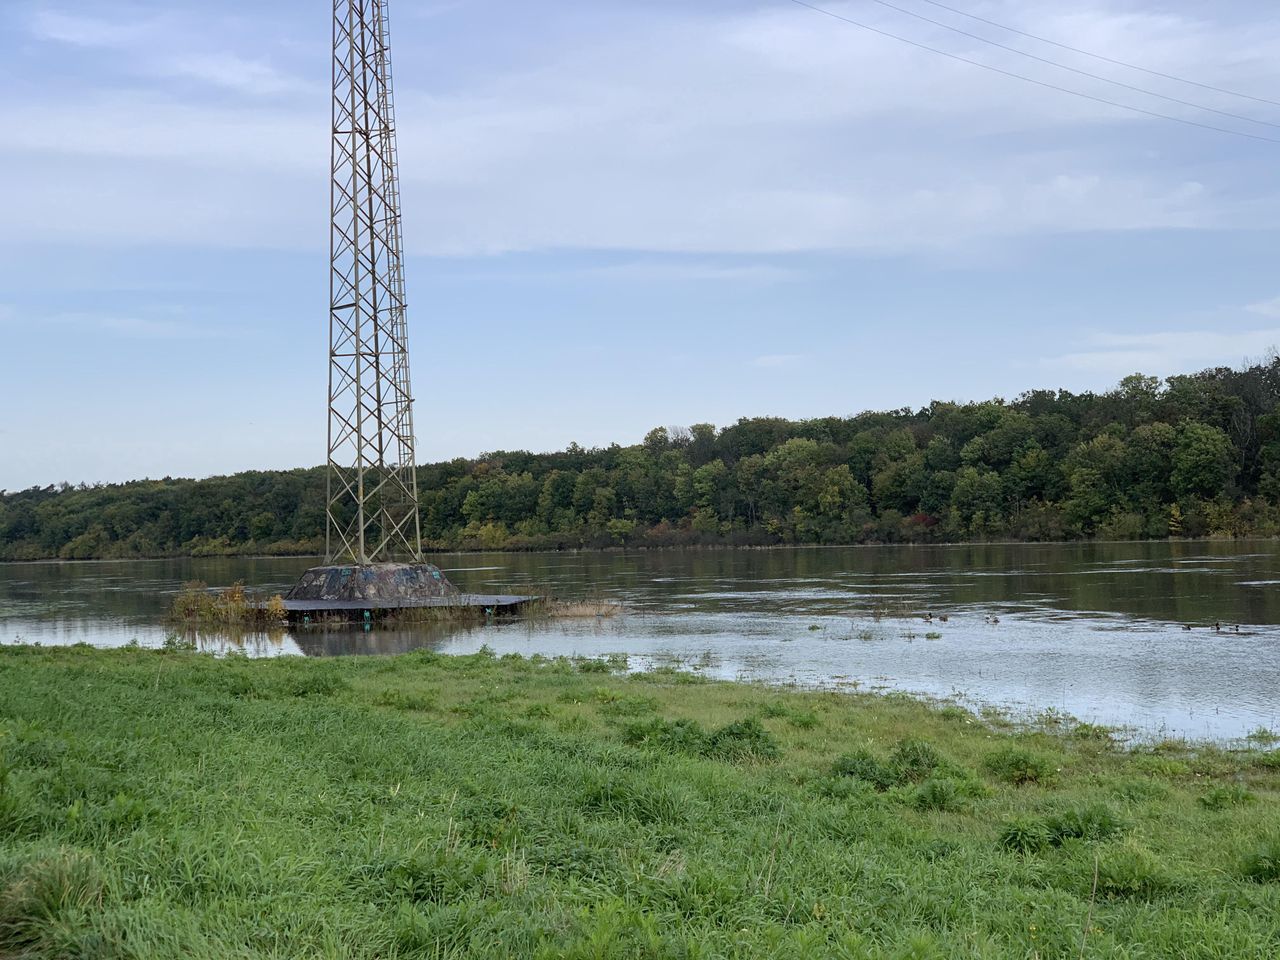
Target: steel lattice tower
[373,485]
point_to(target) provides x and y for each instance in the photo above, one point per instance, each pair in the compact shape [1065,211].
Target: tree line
[1190,456]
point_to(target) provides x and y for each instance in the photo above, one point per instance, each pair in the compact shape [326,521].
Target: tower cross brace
[372,511]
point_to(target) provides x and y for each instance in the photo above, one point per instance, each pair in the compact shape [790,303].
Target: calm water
[1094,630]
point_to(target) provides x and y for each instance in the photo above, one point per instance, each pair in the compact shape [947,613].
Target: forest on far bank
[1195,455]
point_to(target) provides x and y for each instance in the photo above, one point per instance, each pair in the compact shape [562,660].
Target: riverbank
[431,806]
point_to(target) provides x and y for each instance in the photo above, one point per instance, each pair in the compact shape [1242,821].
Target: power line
[1039,83]
[1083,73]
[1104,59]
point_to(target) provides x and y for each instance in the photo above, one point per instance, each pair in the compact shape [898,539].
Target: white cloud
[774,361]
[1267,308]
[164,46]
[132,327]
[1119,354]
[648,270]
[232,72]
[655,130]
[84,31]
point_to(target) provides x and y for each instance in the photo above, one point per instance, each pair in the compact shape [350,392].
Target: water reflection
[1093,629]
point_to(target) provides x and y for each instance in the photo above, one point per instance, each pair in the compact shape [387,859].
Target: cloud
[85,31]
[1267,308]
[165,46]
[1119,354]
[642,129]
[774,361]
[695,271]
[139,328]
[232,72]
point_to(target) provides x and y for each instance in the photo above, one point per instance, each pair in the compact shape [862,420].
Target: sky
[618,215]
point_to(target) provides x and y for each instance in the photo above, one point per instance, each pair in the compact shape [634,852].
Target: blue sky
[618,215]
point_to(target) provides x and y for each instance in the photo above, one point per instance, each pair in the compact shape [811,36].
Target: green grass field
[171,805]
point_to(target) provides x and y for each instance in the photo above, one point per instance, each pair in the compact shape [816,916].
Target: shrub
[38,893]
[1140,790]
[1092,822]
[914,760]
[1262,864]
[1017,766]
[806,720]
[1025,836]
[1130,870]
[745,739]
[866,766]
[1268,761]
[1161,766]
[669,736]
[937,793]
[1220,798]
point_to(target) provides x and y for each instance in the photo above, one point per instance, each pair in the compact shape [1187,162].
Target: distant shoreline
[674,548]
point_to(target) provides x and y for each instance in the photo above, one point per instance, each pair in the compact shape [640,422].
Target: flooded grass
[432,806]
[198,606]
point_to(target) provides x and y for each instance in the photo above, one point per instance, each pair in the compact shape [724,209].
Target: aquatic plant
[197,605]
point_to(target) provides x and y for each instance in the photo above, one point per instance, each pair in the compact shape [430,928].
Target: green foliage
[1018,766]
[866,766]
[1131,870]
[1025,835]
[745,739]
[41,892]
[1193,456]
[488,807]
[913,760]
[1262,864]
[1223,797]
[938,793]
[1090,822]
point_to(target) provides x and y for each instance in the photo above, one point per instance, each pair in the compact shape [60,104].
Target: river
[1096,631]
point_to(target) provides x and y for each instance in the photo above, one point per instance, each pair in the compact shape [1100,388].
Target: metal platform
[489,602]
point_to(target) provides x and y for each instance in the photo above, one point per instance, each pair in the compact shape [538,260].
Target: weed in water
[1094,732]
[1263,736]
